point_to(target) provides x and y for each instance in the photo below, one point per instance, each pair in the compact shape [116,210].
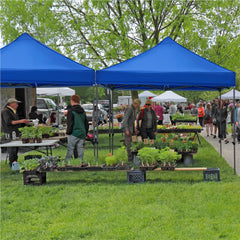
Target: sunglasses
[148,104]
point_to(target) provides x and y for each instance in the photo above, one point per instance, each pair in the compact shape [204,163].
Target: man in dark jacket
[77,128]
[147,121]
[128,125]
[10,125]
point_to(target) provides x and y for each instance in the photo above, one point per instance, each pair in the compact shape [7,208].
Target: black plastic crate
[211,174]
[34,178]
[136,176]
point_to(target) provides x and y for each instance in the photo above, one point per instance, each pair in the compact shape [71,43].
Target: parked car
[89,112]
[104,104]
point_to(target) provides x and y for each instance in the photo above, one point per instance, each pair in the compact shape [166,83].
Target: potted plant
[168,158]
[48,163]
[111,162]
[135,146]
[149,157]
[119,117]
[94,165]
[38,134]
[47,131]
[122,158]
[31,134]
[25,134]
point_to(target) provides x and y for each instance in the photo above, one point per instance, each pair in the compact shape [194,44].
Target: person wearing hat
[128,126]
[147,121]
[10,124]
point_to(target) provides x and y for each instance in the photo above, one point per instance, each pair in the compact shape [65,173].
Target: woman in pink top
[159,112]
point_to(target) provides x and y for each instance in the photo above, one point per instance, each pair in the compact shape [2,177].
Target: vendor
[52,119]
[34,115]
[10,126]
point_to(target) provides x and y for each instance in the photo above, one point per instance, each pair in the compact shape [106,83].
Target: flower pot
[109,168]
[168,168]
[123,167]
[38,140]
[31,140]
[148,168]
[94,168]
[120,119]
[25,140]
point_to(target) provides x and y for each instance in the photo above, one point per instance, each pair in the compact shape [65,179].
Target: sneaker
[226,141]
[214,136]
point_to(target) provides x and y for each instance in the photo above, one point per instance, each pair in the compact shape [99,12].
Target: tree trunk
[134,94]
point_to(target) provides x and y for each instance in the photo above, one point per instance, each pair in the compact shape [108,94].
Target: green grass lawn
[101,205]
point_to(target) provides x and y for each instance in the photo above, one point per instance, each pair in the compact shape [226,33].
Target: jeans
[147,132]
[72,142]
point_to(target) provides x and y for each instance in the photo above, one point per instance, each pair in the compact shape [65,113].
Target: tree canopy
[99,34]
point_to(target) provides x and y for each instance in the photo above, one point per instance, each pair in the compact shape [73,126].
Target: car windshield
[88,107]
[51,104]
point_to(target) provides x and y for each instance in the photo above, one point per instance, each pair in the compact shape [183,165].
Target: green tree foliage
[101,33]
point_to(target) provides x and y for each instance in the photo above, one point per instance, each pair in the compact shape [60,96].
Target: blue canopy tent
[166,66]
[27,62]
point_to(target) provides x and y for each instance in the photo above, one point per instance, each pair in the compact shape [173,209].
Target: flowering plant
[119,115]
[230,106]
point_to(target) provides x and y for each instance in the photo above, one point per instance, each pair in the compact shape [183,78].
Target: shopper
[159,112]
[201,114]
[208,119]
[128,125]
[221,117]
[77,129]
[147,121]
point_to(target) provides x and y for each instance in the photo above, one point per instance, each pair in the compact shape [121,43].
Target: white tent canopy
[229,95]
[64,91]
[147,94]
[169,96]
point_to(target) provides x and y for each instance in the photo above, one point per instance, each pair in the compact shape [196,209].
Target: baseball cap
[13,100]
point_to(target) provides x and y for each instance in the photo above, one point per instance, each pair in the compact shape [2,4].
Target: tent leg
[112,117]
[94,147]
[110,121]
[234,133]
[220,125]
[97,117]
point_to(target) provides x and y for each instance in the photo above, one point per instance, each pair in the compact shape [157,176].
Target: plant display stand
[211,174]
[136,176]
[34,178]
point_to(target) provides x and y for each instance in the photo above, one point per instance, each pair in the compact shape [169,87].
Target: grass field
[101,205]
